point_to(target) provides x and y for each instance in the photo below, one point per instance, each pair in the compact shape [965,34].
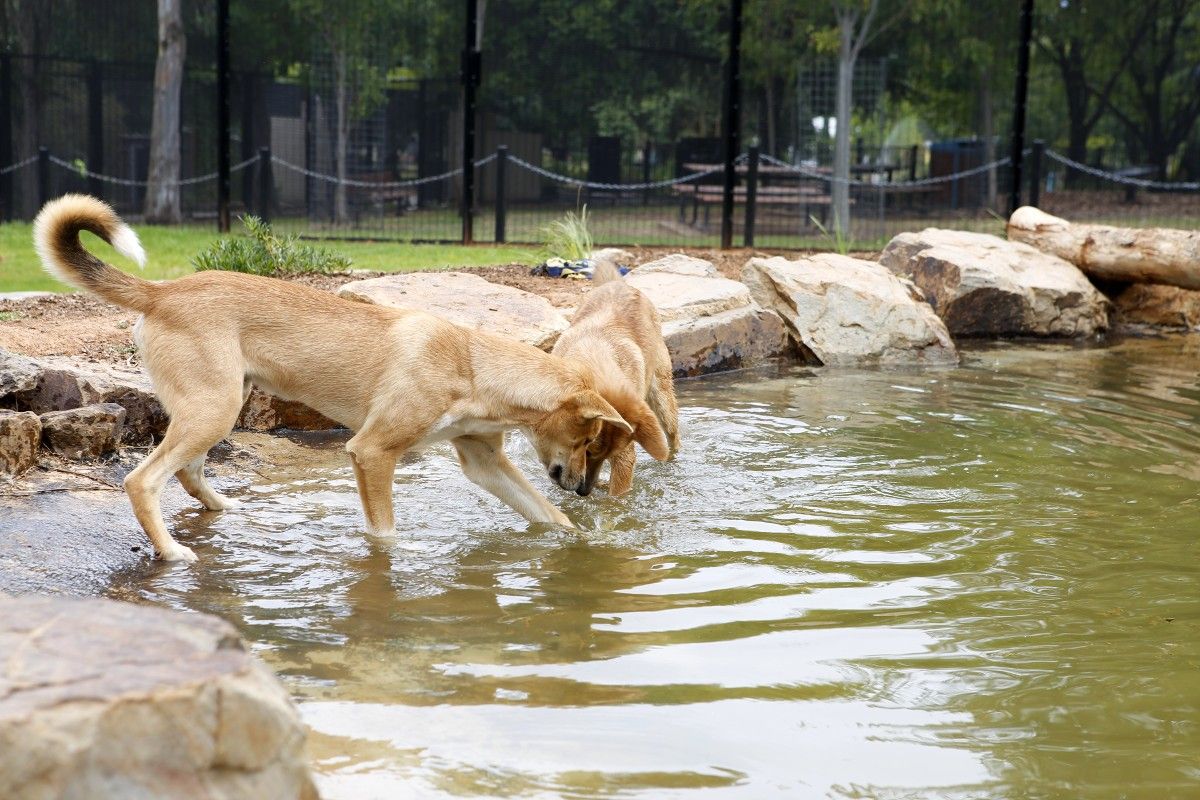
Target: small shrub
[262,252]
[568,238]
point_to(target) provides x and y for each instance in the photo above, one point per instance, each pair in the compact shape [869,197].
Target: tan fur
[617,335]
[398,379]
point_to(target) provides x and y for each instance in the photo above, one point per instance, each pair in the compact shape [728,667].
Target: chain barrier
[321,176]
[891,185]
[619,187]
[87,173]
[18,165]
[1189,186]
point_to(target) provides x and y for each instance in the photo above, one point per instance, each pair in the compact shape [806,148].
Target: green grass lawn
[169,253]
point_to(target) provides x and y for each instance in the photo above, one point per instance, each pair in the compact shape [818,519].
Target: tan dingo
[616,334]
[399,379]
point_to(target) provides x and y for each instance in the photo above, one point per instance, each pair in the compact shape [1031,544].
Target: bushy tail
[56,239]
[604,271]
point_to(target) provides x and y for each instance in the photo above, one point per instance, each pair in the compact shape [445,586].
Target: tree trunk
[29,24]
[162,190]
[840,188]
[1128,255]
[341,209]
[988,126]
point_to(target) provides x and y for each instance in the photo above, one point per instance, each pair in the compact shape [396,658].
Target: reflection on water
[978,582]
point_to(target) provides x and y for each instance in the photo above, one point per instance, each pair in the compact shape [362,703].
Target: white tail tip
[126,242]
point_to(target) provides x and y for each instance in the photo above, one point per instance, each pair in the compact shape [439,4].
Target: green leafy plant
[568,238]
[838,237]
[263,252]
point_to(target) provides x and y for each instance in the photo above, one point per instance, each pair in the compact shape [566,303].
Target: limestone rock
[848,312]
[17,373]
[983,285]
[1158,306]
[709,323]
[679,264]
[84,433]
[20,434]
[1131,255]
[67,384]
[266,412]
[739,337]
[108,700]
[687,296]
[466,300]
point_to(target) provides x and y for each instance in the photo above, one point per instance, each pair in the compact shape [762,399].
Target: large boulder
[107,700]
[67,384]
[85,433]
[17,374]
[848,312]
[982,285]
[709,323]
[20,434]
[467,300]
[266,412]
[1158,306]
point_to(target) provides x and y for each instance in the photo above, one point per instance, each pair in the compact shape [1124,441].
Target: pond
[971,582]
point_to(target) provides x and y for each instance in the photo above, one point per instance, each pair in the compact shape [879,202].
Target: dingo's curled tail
[56,239]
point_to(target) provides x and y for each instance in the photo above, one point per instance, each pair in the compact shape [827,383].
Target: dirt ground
[81,326]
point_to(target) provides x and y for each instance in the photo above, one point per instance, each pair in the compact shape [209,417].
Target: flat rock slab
[679,264]
[20,435]
[84,433]
[849,312]
[739,337]
[983,285]
[466,300]
[688,296]
[710,323]
[101,699]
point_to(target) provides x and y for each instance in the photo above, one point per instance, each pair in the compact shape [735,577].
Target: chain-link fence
[349,120]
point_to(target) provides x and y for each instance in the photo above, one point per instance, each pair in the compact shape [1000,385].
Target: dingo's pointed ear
[646,430]
[593,406]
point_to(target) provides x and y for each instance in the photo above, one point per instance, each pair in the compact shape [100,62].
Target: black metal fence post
[223,116]
[43,173]
[1035,172]
[1022,93]
[6,146]
[470,79]
[751,197]
[646,172]
[95,147]
[501,194]
[732,119]
[264,184]
[912,162]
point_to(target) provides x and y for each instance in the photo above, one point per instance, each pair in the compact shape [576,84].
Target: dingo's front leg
[485,464]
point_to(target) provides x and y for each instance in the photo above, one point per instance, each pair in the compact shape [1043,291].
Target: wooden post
[264,184]
[1035,172]
[223,137]
[732,119]
[470,80]
[501,198]
[95,148]
[751,197]
[1022,93]
[43,176]
[6,145]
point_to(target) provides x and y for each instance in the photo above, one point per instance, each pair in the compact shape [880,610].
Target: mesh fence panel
[614,106]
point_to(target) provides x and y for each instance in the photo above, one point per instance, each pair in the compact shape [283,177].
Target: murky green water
[980,582]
